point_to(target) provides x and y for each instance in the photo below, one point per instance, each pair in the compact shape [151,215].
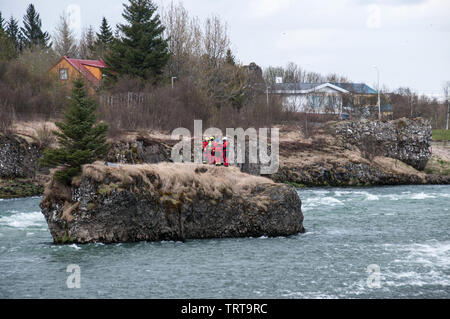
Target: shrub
[45,137]
[6,117]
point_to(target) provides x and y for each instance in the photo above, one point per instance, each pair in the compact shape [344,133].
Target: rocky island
[166,201]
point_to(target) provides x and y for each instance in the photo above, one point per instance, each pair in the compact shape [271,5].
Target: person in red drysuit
[224,151]
[211,151]
[217,153]
[205,153]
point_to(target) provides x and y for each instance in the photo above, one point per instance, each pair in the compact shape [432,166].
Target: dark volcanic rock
[408,140]
[169,202]
[351,174]
[141,150]
[18,158]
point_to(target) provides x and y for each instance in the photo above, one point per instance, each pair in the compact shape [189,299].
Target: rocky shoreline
[363,153]
[350,153]
[352,175]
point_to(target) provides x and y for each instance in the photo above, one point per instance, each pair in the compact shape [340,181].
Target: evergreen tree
[104,39]
[230,58]
[117,33]
[7,50]
[2,22]
[141,51]
[81,140]
[64,39]
[105,36]
[13,31]
[32,31]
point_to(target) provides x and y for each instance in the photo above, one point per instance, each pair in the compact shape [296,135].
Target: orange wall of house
[72,74]
[63,64]
[95,71]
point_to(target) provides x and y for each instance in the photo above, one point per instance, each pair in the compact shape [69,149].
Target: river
[380,242]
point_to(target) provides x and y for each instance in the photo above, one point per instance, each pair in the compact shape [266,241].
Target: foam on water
[23,220]
[372,197]
[367,195]
[75,246]
[321,201]
[437,253]
[432,258]
[415,278]
[422,196]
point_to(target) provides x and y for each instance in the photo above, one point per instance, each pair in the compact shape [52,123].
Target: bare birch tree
[215,40]
[64,41]
[184,38]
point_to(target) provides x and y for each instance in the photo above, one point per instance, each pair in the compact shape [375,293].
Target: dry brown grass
[31,127]
[55,191]
[179,178]
[132,136]
[68,210]
[35,131]
[395,166]
[442,150]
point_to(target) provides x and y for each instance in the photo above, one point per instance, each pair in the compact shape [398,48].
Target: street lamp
[378,89]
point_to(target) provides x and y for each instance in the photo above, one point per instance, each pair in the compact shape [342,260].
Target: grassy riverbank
[441,135]
[17,188]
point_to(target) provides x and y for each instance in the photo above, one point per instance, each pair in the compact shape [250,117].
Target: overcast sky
[409,40]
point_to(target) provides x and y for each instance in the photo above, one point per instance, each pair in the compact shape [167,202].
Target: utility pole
[411,104]
[173,78]
[378,89]
[446,89]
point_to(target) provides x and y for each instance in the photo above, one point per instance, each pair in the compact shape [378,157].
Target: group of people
[214,152]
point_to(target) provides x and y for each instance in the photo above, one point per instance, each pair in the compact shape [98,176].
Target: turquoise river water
[380,242]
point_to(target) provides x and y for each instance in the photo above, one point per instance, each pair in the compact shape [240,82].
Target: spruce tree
[13,31]
[81,140]
[141,51]
[104,39]
[32,30]
[230,58]
[7,50]
[2,22]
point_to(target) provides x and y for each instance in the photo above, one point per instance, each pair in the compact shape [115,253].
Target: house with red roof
[68,69]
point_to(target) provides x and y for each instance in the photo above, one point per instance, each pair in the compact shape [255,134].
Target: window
[315,101]
[63,74]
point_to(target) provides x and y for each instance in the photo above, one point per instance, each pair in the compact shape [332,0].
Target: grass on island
[175,178]
[441,135]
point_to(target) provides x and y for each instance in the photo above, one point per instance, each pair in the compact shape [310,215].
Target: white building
[323,98]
